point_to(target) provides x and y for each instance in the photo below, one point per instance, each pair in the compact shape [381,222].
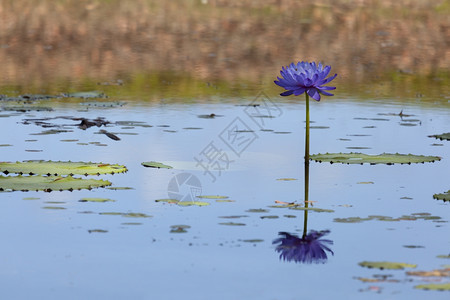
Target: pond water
[202,100]
[60,247]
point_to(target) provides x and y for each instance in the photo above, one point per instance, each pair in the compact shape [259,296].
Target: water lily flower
[305,77]
[308,249]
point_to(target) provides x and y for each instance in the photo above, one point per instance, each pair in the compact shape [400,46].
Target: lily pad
[212,197]
[232,224]
[385,158]
[257,210]
[179,228]
[385,265]
[444,196]
[128,215]
[101,200]
[316,209]
[60,168]
[192,203]
[434,286]
[443,136]
[103,104]
[432,273]
[84,95]
[48,183]
[154,164]
[183,203]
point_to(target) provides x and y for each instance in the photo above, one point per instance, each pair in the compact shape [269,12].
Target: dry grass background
[47,40]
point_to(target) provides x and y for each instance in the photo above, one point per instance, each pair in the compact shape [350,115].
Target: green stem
[305,224]
[307,130]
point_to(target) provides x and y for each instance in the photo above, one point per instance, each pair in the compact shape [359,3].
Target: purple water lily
[305,77]
[307,249]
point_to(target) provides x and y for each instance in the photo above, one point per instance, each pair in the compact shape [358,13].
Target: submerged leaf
[385,158]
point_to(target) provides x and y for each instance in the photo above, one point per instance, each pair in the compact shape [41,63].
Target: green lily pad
[48,183]
[54,207]
[128,215]
[212,197]
[97,231]
[385,158]
[444,196]
[84,95]
[434,286]
[104,104]
[257,210]
[183,203]
[192,203]
[316,209]
[443,136]
[60,168]
[269,217]
[96,200]
[179,228]
[154,164]
[232,224]
[385,265]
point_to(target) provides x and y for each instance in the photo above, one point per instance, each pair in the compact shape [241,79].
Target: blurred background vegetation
[195,44]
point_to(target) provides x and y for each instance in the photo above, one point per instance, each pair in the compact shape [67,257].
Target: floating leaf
[257,210]
[191,203]
[48,184]
[93,94]
[60,168]
[316,209]
[253,241]
[233,217]
[212,197]
[179,228]
[103,104]
[168,200]
[154,164]
[183,203]
[434,286]
[129,215]
[386,265]
[443,136]
[269,217]
[287,179]
[444,196]
[96,200]
[433,273]
[360,158]
[232,224]
[54,207]
[97,231]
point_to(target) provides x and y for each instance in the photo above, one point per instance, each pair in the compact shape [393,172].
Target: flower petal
[314,94]
[287,93]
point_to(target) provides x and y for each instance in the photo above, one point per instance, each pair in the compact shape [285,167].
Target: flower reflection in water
[308,249]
